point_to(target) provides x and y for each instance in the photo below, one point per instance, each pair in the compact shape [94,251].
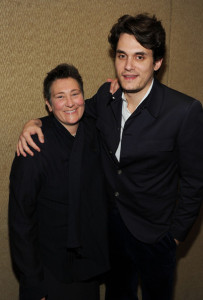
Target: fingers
[19,149]
[24,140]
[177,242]
[114,86]
[40,135]
[27,140]
[22,147]
[109,80]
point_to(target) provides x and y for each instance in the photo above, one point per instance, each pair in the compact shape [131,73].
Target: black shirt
[57,209]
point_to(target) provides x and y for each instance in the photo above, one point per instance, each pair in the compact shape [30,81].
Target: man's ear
[158,64]
[48,105]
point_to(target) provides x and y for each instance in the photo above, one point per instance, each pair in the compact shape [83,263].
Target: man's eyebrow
[120,51]
[136,53]
[140,53]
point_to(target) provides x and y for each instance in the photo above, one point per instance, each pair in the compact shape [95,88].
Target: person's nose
[69,102]
[129,64]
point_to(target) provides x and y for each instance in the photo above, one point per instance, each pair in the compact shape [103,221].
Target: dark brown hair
[147,30]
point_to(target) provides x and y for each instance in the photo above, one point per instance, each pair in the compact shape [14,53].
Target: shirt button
[110,151]
[119,172]
[116,194]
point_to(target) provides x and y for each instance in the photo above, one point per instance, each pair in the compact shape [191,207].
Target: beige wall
[37,35]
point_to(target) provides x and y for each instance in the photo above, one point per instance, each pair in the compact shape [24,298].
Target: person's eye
[59,97]
[121,56]
[75,94]
[139,57]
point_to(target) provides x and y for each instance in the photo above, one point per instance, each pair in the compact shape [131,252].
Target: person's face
[67,103]
[134,64]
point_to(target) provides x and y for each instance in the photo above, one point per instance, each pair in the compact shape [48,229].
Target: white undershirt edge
[125,115]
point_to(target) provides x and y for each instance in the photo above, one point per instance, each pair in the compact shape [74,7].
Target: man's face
[67,103]
[134,65]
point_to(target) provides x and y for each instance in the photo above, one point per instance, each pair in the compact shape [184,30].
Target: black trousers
[88,290]
[132,260]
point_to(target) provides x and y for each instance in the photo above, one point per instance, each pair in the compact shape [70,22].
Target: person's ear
[158,64]
[48,105]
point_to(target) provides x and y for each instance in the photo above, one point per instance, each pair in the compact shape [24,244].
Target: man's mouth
[130,77]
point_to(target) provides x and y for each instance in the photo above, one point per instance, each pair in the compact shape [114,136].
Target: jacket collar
[115,101]
[156,97]
[116,97]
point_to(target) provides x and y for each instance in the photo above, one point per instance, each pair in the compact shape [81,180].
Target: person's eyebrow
[57,93]
[75,90]
[136,53]
[120,51]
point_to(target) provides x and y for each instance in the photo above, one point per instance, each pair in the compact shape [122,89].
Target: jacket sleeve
[25,184]
[190,165]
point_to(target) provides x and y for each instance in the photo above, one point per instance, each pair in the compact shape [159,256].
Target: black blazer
[158,183]
[57,209]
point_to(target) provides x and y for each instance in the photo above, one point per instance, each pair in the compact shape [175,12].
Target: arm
[30,128]
[190,164]
[33,126]
[25,183]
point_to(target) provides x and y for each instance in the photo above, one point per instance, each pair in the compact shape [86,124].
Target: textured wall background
[37,35]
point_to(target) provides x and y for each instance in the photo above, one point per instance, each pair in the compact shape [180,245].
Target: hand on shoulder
[25,139]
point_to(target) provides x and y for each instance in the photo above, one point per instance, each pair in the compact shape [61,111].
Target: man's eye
[121,56]
[140,57]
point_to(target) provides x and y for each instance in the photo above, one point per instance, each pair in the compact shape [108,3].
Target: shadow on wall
[161,71]
[183,248]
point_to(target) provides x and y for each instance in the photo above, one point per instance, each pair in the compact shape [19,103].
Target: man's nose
[129,63]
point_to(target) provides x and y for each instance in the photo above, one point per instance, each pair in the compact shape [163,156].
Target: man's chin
[132,91]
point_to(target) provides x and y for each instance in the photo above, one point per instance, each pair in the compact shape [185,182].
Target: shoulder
[177,95]
[98,102]
[89,122]
[48,129]
[29,163]
[175,99]
[21,166]
[102,92]
[104,88]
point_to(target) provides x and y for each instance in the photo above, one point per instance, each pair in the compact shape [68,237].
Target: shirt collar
[154,95]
